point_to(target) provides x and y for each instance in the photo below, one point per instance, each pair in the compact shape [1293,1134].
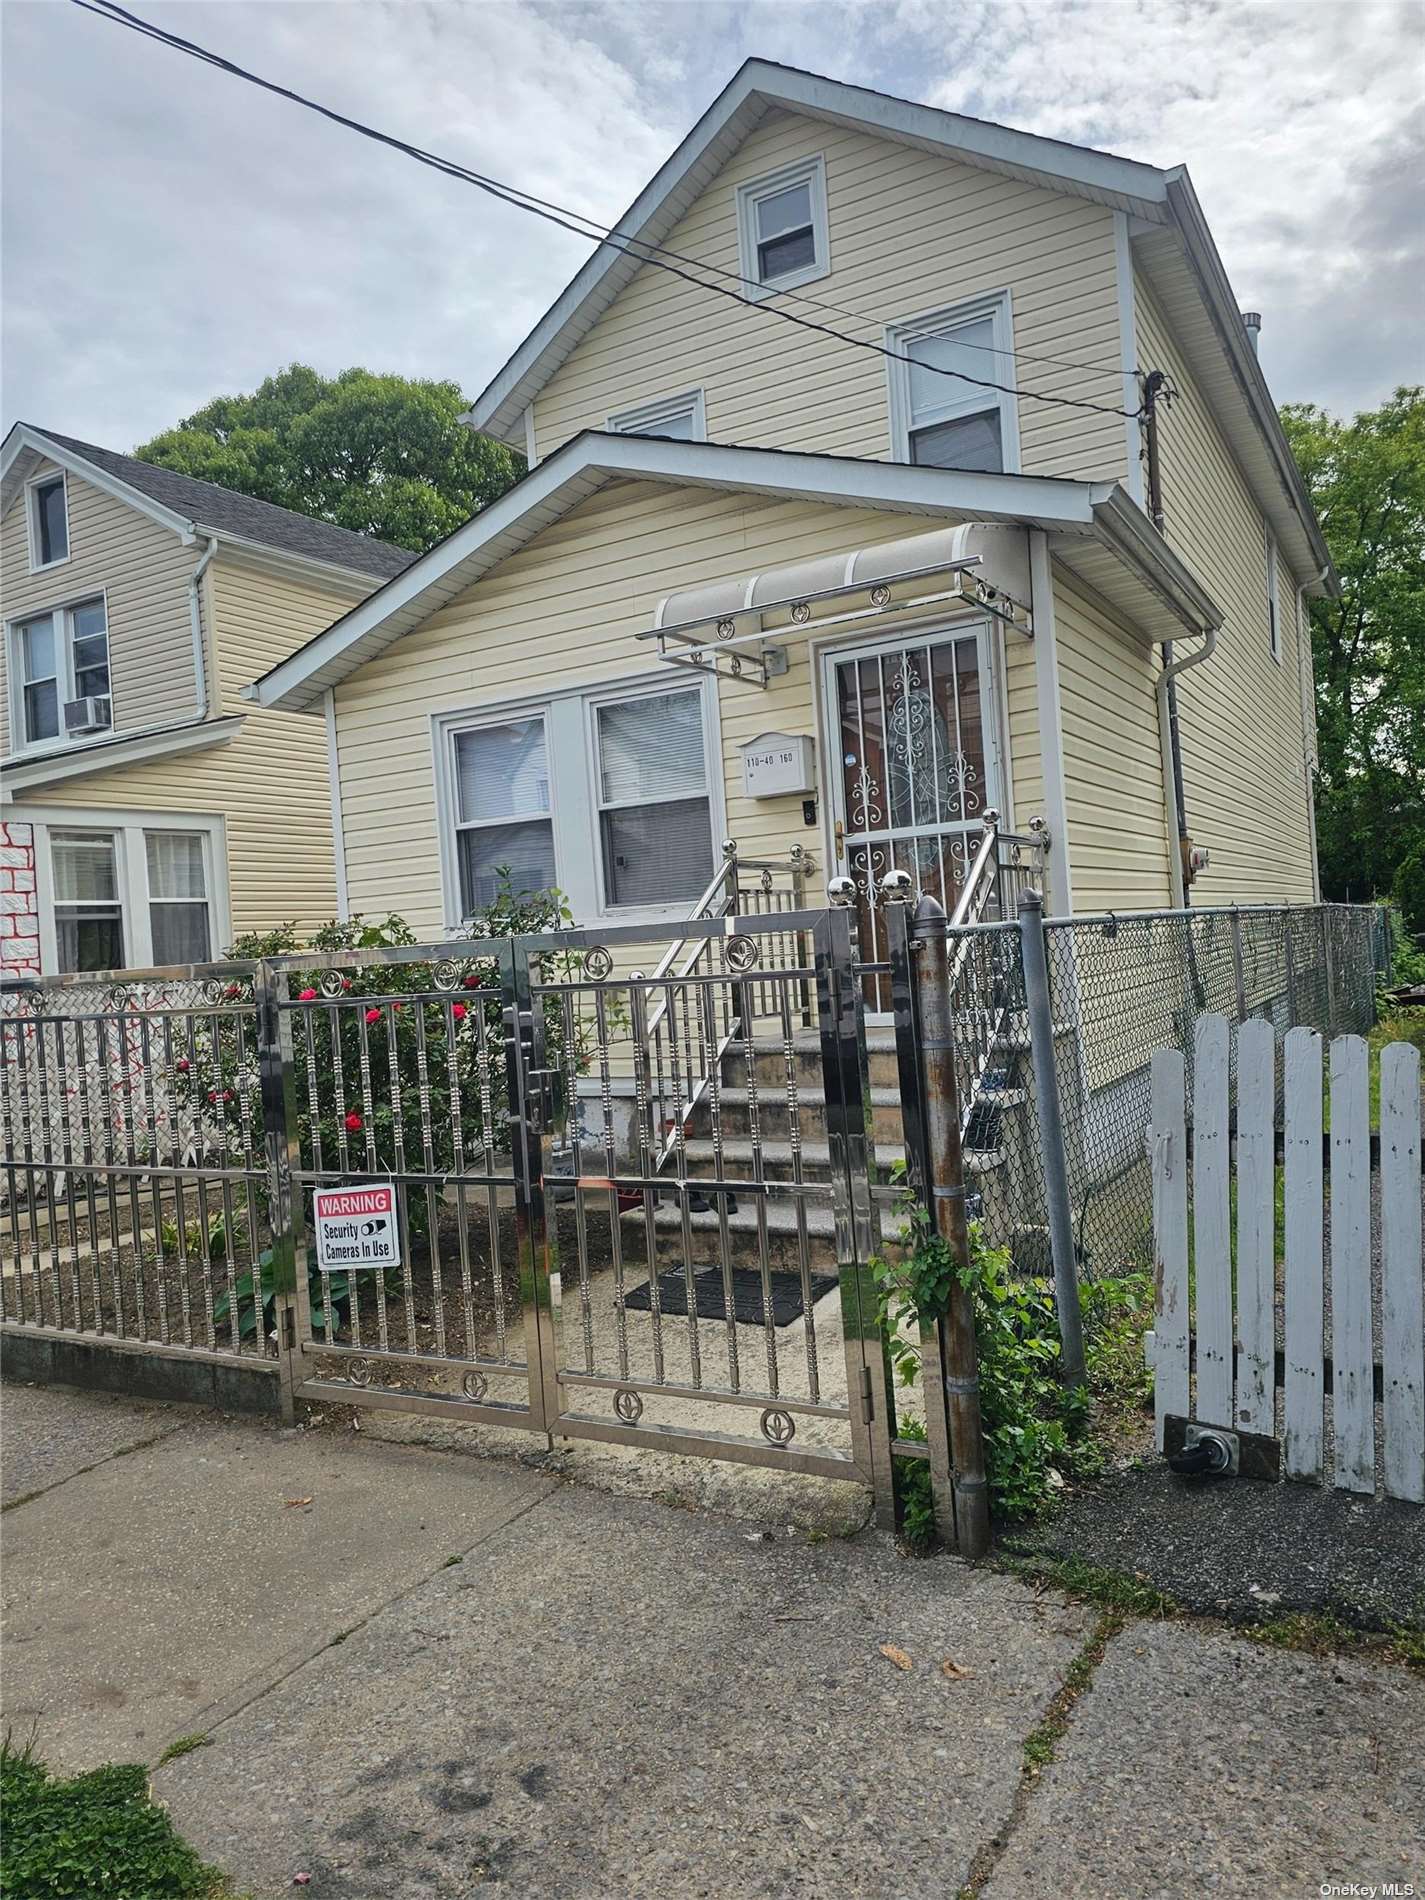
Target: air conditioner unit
[87,715]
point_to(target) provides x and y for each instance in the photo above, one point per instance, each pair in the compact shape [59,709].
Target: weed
[184,1745]
[95,1833]
[1111,1590]
[451,1562]
[1319,1633]
[913,1493]
[1043,1739]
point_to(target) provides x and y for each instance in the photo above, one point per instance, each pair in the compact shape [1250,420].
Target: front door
[907,722]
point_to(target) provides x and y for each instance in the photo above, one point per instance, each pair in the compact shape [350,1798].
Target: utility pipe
[195,614]
[1176,867]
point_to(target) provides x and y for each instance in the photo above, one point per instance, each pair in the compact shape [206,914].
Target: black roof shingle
[228,512]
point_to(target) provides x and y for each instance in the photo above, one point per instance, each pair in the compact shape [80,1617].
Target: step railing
[688,1034]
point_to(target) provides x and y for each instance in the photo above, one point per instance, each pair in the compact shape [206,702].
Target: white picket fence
[1217,1359]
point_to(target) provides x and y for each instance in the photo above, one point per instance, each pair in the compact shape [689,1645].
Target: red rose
[472,982]
[346,982]
[182,1065]
[354,1123]
[306,996]
[212,1095]
[227,1095]
[232,991]
[457,1010]
[373,1015]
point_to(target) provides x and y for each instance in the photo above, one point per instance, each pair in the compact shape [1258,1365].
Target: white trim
[811,172]
[45,478]
[578,469]
[119,751]
[996,307]
[128,828]
[644,418]
[270,560]
[1128,357]
[22,750]
[343,906]
[738,109]
[1057,872]
[573,807]
[1272,557]
[531,453]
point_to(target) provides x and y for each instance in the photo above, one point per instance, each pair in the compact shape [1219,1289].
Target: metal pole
[945,1189]
[279,1130]
[1051,1133]
[1238,972]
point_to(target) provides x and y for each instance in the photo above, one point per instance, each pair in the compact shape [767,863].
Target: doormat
[747,1307]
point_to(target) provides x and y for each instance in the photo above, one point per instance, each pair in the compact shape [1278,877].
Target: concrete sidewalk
[603,1696]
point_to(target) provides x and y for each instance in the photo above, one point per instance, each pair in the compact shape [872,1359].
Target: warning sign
[356,1227]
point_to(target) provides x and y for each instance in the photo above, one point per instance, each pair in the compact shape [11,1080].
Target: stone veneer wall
[19,904]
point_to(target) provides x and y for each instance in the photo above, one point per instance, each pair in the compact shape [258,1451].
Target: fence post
[278,1139]
[955,1353]
[1329,963]
[1051,1132]
[1290,961]
[1238,971]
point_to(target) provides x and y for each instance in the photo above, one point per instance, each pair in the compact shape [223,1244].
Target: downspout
[1306,692]
[195,614]
[1172,756]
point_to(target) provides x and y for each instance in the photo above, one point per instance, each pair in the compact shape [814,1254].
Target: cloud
[170,233]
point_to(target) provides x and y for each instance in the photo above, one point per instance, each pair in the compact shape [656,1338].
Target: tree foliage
[382,455]
[1367,479]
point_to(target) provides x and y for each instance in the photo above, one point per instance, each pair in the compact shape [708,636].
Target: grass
[1044,1738]
[1113,1591]
[97,1833]
[1400,1026]
[184,1745]
[1318,1633]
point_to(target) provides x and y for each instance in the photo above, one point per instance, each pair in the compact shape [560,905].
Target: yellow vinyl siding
[564,612]
[144,570]
[910,233]
[1113,777]
[1241,713]
[270,785]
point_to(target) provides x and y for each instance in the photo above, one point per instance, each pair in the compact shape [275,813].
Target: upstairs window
[1274,603]
[63,665]
[504,817]
[939,417]
[782,229]
[49,522]
[680,417]
[655,821]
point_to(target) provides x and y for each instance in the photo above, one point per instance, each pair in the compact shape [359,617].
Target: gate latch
[541,1098]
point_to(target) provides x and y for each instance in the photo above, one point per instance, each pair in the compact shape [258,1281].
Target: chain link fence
[1120,987]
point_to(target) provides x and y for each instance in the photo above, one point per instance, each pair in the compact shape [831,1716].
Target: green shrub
[1407,889]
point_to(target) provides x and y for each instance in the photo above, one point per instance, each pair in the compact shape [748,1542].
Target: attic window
[781,229]
[680,417]
[49,523]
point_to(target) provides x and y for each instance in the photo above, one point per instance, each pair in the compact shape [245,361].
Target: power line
[646,252]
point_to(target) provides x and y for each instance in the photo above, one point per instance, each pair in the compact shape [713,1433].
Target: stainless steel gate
[633,1181]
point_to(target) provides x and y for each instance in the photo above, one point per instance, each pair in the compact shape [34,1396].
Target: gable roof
[1096,529]
[1184,263]
[191,506]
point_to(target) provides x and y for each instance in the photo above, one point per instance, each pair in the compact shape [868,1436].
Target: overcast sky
[171,233]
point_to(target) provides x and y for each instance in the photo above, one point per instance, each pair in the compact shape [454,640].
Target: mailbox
[779,765]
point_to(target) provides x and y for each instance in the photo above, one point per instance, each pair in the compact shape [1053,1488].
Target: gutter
[1166,679]
[195,614]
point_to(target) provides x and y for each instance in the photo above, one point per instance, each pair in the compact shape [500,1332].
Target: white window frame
[129,830]
[573,793]
[152,902]
[1274,596]
[61,613]
[645,418]
[32,520]
[998,306]
[655,689]
[453,824]
[804,171]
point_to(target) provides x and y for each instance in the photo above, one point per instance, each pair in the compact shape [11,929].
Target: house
[150,814]
[846,587]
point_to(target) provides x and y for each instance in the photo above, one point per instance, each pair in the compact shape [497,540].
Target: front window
[178,897]
[88,908]
[655,825]
[504,816]
[782,229]
[49,523]
[945,413]
[64,673]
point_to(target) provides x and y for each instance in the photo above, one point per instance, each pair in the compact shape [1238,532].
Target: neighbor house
[150,813]
[763,582]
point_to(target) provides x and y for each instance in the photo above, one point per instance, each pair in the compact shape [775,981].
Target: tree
[383,455]
[1367,479]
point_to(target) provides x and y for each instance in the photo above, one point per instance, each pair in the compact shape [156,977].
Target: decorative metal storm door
[910,721]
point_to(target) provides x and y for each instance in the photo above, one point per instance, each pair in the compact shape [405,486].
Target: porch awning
[740,625]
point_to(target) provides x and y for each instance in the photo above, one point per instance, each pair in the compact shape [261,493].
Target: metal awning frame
[686,644]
